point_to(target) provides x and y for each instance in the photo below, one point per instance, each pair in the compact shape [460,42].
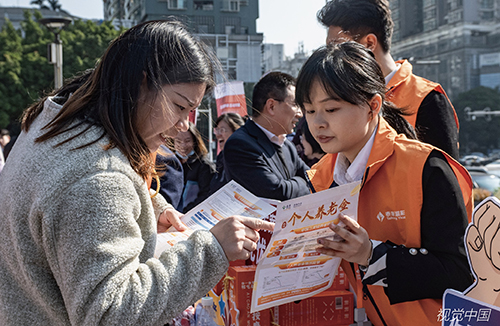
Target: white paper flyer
[290,268]
[232,199]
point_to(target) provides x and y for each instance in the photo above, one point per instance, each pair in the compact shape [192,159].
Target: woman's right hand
[238,235]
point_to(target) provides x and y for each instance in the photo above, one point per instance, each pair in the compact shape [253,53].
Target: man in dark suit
[258,156]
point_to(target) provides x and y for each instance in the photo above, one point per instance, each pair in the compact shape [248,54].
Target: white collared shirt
[344,172]
[278,140]
[389,76]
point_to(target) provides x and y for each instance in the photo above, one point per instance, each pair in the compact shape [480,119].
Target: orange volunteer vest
[407,91]
[390,203]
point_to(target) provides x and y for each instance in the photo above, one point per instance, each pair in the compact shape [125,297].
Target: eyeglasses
[220,130]
[294,105]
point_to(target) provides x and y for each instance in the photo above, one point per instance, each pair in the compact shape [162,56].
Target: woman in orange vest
[406,246]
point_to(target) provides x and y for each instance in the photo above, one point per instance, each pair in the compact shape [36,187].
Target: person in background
[314,151]
[407,239]
[258,156]
[225,125]
[4,140]
[2,161]
[310,150]
[198,169]
[8,147]
[171,175]
[77,220]
[424,102]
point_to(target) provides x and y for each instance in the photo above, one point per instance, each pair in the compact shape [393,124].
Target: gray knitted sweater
[77,237]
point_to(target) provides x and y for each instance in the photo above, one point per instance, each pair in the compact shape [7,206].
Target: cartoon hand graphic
[483,247]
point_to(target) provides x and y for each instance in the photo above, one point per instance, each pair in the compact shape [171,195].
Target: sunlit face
[339,126]
[337,35]
[222,133]
[162,115]
[4,140]
[184,143]
[287,112]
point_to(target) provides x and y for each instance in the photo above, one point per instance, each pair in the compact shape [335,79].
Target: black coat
[219,178]
[252,160]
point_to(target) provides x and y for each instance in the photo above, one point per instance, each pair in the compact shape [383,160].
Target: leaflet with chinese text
[290,268]
[232,199]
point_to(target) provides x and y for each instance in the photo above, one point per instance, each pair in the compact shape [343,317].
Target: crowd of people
[111,158]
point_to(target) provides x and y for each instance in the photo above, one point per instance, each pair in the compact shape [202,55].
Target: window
[430,14]
[231,5]
[203,29]
[231,74]
[429,25]
[177,4]
[229,29]
[234,5]
[203,5]
[486,4]
[488,15]
[243,30]
[428,3]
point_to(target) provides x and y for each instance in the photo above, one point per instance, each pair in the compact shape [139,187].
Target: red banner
[230,97]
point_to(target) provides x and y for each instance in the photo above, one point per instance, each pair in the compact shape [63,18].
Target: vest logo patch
[393,215]
[380,216]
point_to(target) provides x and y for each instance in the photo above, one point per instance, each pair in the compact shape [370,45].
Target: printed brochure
[232,199]
[290,268]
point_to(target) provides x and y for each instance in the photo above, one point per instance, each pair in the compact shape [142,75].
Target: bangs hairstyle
[233,120]
[347,71]
[162,52]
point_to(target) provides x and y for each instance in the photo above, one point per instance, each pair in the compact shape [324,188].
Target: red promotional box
[239,298]
[324,309]
[340,282]
[265,237]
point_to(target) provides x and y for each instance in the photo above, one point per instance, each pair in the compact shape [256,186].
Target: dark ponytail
[394,116]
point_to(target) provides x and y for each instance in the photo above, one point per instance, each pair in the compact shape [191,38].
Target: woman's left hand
[170,217]
[356,245]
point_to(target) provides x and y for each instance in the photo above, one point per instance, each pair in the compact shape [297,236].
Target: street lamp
[486,113]
[55,53]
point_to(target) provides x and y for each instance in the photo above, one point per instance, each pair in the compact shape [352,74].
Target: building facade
[273,56]
[453,42]
[228,26]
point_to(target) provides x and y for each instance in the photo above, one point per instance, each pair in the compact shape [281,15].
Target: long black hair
[162,52]
[306,133]
[350,72]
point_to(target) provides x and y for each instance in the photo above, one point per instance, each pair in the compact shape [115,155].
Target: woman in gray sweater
[77,221]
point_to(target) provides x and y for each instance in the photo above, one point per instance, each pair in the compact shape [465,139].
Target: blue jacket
[172,180]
